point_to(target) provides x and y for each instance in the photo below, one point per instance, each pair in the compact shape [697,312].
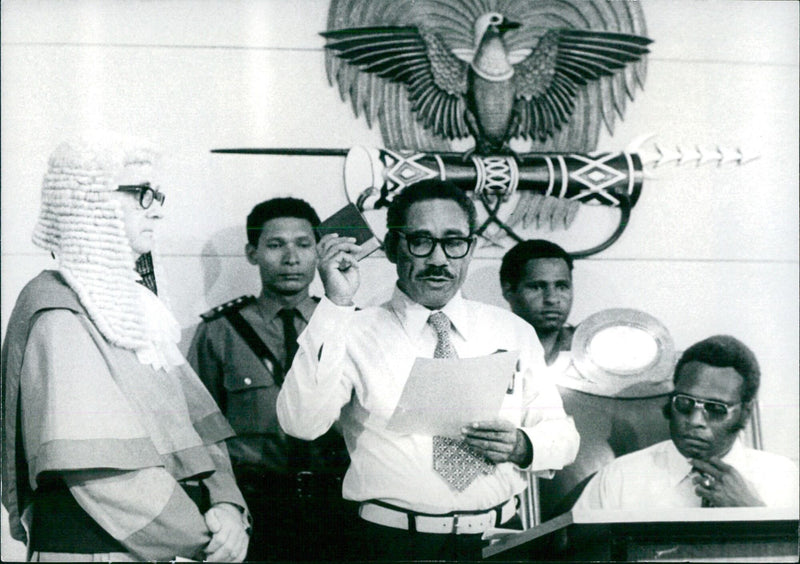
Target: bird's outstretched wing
[383,101]
[435,79]
[597,103]
[547,82]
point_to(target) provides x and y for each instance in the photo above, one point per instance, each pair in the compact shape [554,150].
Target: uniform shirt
[660,477]
[242,384]
[357,363]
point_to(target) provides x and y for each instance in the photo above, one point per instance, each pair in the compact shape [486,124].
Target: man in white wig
[111,445]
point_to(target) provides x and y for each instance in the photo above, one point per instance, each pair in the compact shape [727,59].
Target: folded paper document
[443,395]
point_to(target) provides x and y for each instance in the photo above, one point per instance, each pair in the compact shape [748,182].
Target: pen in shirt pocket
[510,389]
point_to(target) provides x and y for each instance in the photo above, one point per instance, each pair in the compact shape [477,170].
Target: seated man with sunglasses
[705,463]
[419,496]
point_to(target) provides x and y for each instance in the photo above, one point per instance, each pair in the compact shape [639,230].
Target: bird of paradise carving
[435,71]
[535,76]
[507,98]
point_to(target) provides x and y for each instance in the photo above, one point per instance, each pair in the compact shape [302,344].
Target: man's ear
[390,246]
[508,291]
[250,253]
[747,410]
[666,411]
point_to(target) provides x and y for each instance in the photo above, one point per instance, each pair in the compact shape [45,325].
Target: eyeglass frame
[141,190]
[470,239]
[703,403]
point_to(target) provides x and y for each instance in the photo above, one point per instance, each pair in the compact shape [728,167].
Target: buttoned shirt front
[660,477]
[357,363]
[244,385]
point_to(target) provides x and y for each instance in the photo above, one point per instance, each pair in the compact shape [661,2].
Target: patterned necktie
[456,462]
[144,267]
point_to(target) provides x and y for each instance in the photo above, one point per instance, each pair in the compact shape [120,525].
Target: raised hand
[338,267]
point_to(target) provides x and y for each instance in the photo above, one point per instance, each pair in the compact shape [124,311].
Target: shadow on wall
[483,283]
[225,274]
[226,243]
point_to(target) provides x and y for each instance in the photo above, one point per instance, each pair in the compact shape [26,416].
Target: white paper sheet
[443,395]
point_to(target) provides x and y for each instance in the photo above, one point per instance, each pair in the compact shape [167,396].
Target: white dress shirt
[659,477]
[353,365]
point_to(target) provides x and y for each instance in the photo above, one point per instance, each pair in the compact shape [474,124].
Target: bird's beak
[508,25]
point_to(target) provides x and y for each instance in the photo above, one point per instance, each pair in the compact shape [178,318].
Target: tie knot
[444,346]
[287,314]
[440,323]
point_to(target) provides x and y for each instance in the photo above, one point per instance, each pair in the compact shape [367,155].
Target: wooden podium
[740,534]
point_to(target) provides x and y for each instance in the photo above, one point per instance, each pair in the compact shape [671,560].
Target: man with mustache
[242,351]
[704,464]
[421,497]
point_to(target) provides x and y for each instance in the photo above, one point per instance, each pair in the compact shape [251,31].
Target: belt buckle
[456,522]
[461,520]
[475,523]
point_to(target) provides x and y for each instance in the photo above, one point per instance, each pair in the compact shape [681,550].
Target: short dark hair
[514,261]
[432,189]
[279,207]
[724,351]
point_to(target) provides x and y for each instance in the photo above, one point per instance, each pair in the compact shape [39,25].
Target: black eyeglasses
[422,245]
[147,194]
[714,410]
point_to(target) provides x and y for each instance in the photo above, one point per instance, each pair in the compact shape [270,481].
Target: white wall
[708,250]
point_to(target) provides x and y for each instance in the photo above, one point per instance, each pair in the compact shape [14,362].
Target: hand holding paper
[442,396]
[499,441]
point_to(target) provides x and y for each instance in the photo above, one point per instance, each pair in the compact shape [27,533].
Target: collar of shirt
[679,467]
[269,308]
[414,317]
[564,338]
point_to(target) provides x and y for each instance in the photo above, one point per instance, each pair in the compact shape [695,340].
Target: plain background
[709,249]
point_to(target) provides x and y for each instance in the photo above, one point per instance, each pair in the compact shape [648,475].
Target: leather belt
[258,482]
[459,523]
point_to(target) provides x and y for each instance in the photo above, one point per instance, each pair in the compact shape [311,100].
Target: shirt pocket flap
[243,380]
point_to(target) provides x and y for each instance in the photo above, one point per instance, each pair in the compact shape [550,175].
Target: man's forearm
[554,444]
[314,391]
[145,510]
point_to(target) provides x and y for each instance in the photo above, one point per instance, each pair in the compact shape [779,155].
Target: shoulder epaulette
[227,307]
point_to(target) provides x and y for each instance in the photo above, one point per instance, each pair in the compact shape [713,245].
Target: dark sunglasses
[422,246]
[715,410]
[147,194]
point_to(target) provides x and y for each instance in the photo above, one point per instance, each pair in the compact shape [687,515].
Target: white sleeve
[552,432]
[315,388]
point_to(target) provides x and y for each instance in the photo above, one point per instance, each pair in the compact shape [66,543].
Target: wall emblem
[434,71]
[507,98]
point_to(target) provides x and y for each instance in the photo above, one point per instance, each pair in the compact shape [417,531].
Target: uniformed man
[242,350]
